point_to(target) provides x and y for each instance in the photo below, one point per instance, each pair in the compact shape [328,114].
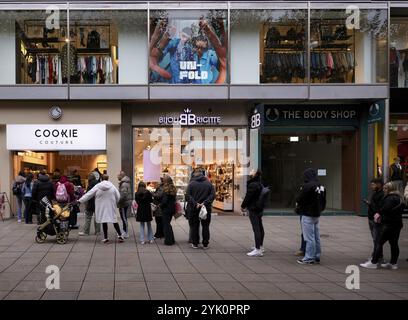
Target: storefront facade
[67,136]
[179,71]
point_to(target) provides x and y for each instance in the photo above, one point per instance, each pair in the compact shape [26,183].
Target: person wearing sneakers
[390,219]
[254,188]
[144,199]
[106,200]
[200,192]
[90,210]
[310,202]
[125,200]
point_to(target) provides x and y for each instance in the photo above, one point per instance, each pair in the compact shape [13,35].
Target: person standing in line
[397,174]
[43,187]
[90,210]
[302,249]
[168,209]
[390,219]
[56,176]
[98,174]
[144,199]
[374,205]
[17,186]
[158,217]
[106,200]
[27,191]
[254,188]
[310,202]
[200,192]
[125,200]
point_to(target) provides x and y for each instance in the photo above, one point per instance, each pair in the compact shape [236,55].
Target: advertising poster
[188,47]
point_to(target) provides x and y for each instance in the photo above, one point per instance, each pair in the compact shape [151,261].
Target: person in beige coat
[106,200]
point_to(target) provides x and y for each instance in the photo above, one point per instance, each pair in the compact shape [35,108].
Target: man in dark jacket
[310,202]
[374,205]
[200,192]
[254,188]
[90,209]
[43,187]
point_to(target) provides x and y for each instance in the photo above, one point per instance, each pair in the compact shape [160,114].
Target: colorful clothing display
[95,69]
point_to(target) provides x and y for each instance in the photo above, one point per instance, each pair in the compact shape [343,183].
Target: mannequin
[394,65]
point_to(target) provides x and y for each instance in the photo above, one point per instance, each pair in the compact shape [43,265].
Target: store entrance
[67,162]
[334,155]
[177,151]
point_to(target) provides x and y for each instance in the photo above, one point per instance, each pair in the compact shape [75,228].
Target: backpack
[61,195]
[16,189]
[263,197]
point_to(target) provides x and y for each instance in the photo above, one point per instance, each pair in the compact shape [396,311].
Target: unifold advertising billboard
[188,47]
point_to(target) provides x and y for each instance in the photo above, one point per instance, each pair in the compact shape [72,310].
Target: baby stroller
[57,223]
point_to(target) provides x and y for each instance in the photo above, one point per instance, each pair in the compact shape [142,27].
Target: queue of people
[102,199]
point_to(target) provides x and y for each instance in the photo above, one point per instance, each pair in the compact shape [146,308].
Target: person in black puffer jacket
[390,219]
[168,209]
[43,187]
[90,209]
[254,188]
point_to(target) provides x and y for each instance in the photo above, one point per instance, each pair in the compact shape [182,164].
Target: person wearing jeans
[144,199]
[310,202]
[26,191]
[18,184]
[311,234]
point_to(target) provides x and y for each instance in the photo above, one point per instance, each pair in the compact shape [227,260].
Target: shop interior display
[332,56]
[283,53]
[222,177]
[85,54]
[398,67]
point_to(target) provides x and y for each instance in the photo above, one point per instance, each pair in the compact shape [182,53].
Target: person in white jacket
[106,199]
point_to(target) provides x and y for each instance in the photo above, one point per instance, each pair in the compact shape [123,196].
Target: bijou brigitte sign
[56,137]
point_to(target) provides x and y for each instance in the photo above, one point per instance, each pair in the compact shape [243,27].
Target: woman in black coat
[144,199]
[390,219]
[168,209]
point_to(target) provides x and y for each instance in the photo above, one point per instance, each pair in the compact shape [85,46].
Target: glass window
[399,52]
[99,39]
[399,145]
[188,46]
[345,50]
[285,157]
[31,46]
[268,46]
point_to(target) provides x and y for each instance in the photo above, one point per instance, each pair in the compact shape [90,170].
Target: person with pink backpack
[64,193]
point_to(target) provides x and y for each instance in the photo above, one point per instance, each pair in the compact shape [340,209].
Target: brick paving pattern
[129,270]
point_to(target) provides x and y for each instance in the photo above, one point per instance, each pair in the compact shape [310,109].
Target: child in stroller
[57,223]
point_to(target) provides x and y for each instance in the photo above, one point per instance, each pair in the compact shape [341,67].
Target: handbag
[203,213]
[179,210]
[134,207]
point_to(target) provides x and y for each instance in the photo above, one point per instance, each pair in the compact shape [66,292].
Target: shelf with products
[222,177]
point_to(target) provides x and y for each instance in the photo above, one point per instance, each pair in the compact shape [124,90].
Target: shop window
[344,51]
[399,143]
[399,52]
[188,46]
[178,151]
[31,47]
[268,46]
[99,39]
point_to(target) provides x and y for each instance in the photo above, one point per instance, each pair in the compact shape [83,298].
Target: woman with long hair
[168,208]
[144,199]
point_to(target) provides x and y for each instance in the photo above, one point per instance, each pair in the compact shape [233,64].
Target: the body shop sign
[311,115]
[56,137]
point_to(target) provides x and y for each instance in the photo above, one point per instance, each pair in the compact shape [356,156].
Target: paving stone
[60,295]
[26,295]
[95,295]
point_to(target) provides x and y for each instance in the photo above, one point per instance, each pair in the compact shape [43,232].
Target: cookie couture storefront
[44,135]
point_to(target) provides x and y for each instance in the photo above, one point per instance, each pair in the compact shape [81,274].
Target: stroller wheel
[40,237]
[61,238]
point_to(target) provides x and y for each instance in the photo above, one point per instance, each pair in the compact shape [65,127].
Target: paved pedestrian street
[129,270]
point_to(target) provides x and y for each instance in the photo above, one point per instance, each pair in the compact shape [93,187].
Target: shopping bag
[203,213]
[179,210]
[134,207]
